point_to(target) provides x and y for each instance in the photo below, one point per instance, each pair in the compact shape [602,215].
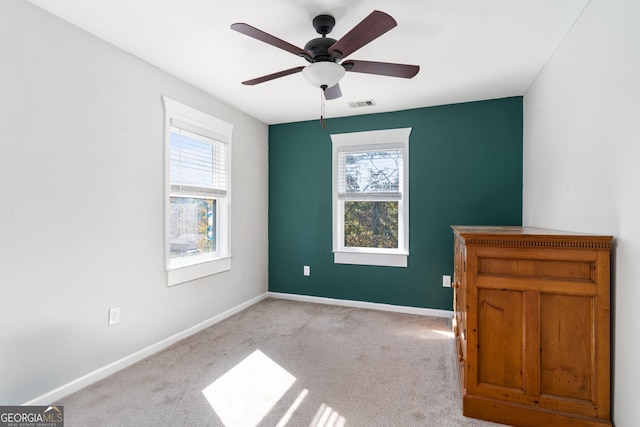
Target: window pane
[191,161]
[370,171]
[196,161]
[192,226]
[371,224]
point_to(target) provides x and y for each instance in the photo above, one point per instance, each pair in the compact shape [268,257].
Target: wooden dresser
[532,325]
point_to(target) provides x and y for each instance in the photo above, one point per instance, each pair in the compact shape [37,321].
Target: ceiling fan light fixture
[324,73]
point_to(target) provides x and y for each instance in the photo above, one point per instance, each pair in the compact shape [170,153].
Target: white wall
[582,162]
[81,205]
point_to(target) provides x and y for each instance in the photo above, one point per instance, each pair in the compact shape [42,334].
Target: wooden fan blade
[250,31]
[272,76]
[381,68]
[332,92]
[371,27]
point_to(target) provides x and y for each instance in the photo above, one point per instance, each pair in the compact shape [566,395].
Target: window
[371,197]
[197,149]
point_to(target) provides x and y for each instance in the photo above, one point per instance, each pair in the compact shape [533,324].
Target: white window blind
[197,161]
[370,173]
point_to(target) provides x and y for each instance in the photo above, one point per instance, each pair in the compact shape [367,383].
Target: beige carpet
[284,363]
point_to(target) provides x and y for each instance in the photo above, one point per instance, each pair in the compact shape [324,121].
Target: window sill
[182,274]
[368,258]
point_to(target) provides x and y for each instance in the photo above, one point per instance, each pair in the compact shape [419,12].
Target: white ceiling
[467,49]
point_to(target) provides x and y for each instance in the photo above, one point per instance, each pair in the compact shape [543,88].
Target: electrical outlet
[114,316]
[307,270]
[446,281]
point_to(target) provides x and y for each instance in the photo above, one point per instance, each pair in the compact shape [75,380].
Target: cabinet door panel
[501,338]
[567,352]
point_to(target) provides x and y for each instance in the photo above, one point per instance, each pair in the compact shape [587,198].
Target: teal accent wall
[465,167]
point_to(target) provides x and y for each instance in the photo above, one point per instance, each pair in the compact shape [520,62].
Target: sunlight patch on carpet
[246,393]
[294,406]
[327,417]
[448,334]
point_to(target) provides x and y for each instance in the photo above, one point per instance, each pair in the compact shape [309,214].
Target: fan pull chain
[322,108]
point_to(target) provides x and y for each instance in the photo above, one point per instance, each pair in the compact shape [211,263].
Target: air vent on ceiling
[360,104]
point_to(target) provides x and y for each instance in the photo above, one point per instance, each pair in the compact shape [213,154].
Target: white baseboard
[363,304]
[98,374]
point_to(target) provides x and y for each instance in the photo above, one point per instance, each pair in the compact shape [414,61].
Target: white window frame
[384,139]
[185,270]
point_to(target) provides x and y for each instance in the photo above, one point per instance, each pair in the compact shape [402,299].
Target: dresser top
[511,235]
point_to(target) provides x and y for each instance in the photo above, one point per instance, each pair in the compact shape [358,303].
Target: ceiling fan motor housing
[318,48]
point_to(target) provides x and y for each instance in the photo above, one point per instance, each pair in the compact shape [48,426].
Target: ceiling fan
[326,55]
